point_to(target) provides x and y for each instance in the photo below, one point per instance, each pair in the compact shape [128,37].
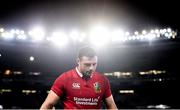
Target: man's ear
[78,60]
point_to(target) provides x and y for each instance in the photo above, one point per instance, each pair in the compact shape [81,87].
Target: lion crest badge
[97,87]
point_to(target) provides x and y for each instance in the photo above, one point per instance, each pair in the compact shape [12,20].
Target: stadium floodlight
[82,37]
[152,31]
[59,38]
[136,33]
[141,37]
[21,32]
[163,31]
[37,34]
[1,106]
[21,37]
[118,36]
[157,35]
[169,30]
[144,32]
[99,36]
[133,37]
[150,36]
[13,31]
[7,35]
[168,35]
[17,31]
[1,29]
[74,35]
[127,33]
[157,31]
[130,38]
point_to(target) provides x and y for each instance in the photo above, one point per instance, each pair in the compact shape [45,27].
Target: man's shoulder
[101,77]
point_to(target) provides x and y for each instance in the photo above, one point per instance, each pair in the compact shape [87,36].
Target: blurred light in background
[31,58]
[74,34]
[35,73]
[59,38]
[1,29]
[37,34]
[155,72]
[126,91]
[7,72]
[22,37]
[7,35]
[118,36]
[17,72]
[27,92]
[98,36]
[5,91]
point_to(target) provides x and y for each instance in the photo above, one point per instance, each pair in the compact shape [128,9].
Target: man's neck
[79,73]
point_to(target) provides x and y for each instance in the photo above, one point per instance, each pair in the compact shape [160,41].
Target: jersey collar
[80,74]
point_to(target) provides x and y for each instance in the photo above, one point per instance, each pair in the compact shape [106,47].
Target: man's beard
[87,74]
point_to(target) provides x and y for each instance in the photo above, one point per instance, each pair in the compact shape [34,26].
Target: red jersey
[80,93]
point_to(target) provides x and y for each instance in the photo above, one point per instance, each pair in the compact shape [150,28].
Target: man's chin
[87,75]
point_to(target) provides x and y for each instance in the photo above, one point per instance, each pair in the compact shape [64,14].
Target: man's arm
[50,101]
[110,103]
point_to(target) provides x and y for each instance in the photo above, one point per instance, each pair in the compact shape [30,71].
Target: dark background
[130,14]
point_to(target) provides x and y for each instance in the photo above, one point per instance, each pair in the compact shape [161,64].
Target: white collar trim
[79,73]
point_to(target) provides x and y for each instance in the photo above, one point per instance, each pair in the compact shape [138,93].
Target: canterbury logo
[76,85]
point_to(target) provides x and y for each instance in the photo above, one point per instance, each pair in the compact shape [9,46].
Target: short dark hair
[86,51]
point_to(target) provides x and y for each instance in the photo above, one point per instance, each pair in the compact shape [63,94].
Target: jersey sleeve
[107,88]
[58,85]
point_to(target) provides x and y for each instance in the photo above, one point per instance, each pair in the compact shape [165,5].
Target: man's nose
[91,67]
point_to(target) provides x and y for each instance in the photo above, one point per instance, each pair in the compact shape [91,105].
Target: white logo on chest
[76,85]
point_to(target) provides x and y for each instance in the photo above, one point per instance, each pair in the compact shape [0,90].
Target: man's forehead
[85,58]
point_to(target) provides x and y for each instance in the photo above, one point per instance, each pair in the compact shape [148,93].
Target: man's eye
[88,64]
